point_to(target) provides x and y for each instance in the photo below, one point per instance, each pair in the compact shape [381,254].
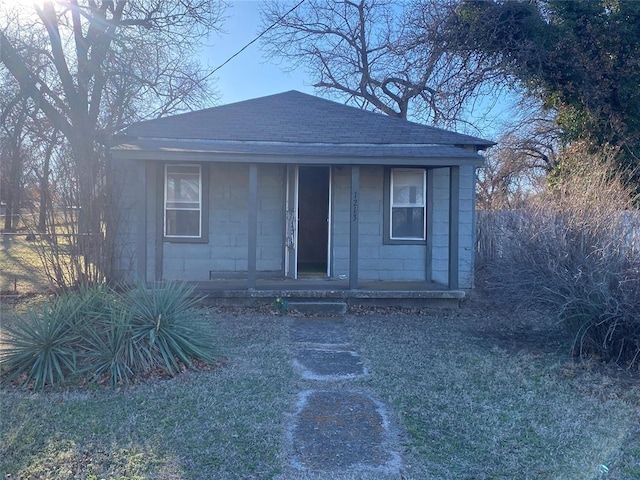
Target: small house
[295,188]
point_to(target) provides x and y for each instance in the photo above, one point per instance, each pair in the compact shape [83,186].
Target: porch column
[454,223]
[141,217]
[253,226]
[353,230]
[159,202]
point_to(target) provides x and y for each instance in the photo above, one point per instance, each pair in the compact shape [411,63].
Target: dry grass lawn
[20,267]
[473,395]
[479,393]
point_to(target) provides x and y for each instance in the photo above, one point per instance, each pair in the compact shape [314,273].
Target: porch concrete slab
[400,294]
[316,364]
[320,331]
[342,430]
[319,308]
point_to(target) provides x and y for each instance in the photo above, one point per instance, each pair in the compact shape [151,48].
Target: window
[407,204]
[183,201]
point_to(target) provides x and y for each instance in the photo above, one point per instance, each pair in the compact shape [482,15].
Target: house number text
[355,207]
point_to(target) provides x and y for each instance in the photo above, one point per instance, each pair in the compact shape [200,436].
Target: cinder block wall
[467,229]
[402,262]
[439,183]
[227,249]
[377,261]
[129,197]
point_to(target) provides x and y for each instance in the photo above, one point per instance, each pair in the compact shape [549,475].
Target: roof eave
[283,158]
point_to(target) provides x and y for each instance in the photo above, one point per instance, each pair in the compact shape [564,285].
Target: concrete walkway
[337,431]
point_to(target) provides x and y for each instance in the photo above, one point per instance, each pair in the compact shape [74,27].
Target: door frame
[291,223]
[292,219]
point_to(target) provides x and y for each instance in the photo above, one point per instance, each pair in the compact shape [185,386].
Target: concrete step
[318,308]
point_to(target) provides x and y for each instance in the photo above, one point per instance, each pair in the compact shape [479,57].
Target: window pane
[407,222]
[408,187]
[183,201]
[184,205]
[183,187]
[183,223]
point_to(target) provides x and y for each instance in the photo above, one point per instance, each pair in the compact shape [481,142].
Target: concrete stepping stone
[317,364]
[320,331]
[337,430]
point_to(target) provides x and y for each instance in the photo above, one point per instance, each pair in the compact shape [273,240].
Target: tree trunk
[13,194]
[45,196]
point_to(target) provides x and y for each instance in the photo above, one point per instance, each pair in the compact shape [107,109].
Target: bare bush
[574,250]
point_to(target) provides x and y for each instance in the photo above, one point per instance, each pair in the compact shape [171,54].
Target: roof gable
[295,117]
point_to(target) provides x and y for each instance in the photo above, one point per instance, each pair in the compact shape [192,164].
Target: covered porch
[352,282]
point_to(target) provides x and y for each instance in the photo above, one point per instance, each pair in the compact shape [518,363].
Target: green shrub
[46,346]
[95,333]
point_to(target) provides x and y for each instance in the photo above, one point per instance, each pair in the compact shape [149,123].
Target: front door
[314,185]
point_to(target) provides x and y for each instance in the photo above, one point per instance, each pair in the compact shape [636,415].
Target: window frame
[202,234]
[388,239]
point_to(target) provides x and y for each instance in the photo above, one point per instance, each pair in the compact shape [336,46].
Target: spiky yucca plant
[40,349]
[109,337]
[167,327]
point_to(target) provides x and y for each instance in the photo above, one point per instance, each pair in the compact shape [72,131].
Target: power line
[254,40]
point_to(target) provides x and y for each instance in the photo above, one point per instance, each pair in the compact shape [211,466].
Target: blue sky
[249,75]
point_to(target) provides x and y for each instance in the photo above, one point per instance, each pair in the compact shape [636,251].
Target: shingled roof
[293,124]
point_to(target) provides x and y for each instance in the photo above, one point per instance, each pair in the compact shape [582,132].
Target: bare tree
[376,54]
[533,134]
[505,182]
[11,160]
[529,149]
[27,144]
[91,65]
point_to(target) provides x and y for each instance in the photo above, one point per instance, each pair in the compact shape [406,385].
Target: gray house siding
[439,185]
[225,253]
[404,262]
[376,260]
[128,229]
[145,254]
[271,218]
[467,226]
